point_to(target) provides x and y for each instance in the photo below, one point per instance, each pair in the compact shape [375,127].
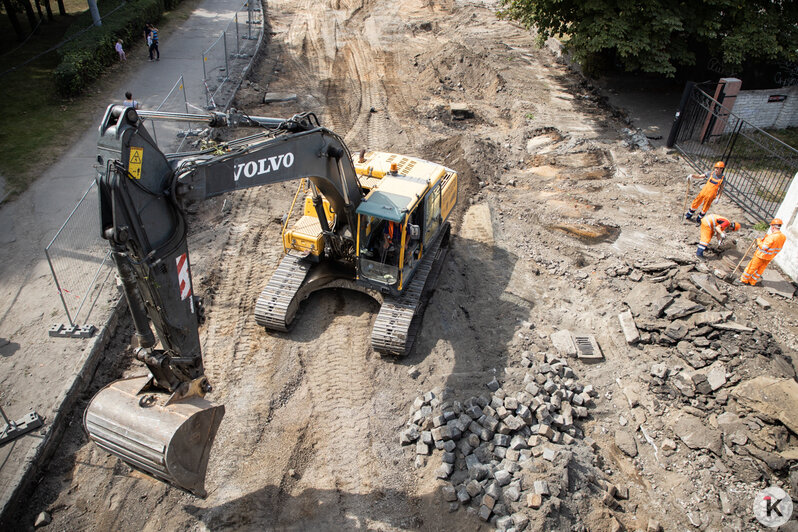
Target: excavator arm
[161,423]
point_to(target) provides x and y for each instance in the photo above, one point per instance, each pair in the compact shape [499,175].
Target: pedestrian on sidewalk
[766,250]
[711,191]
[130,102]
[120,50]
[714,225]
[153,43]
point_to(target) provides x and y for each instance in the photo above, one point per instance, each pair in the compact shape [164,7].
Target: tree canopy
[661,36]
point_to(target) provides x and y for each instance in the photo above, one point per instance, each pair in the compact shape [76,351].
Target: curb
[39,455]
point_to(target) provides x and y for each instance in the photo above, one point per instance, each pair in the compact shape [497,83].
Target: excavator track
[273,309]
[398,321]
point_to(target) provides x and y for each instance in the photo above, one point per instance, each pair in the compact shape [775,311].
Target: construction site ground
[565,219]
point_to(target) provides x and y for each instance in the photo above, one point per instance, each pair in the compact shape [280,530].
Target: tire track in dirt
[340,385]
[236,348]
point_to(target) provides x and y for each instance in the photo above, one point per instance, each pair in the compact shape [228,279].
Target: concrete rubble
[512,457]
[708,403]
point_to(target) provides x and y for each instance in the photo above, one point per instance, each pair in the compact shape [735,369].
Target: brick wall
[754,108]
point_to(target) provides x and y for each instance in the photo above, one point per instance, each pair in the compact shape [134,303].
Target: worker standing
[713,225]
[711,190]
[766,249]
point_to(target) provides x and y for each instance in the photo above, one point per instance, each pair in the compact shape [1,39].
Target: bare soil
[553,202]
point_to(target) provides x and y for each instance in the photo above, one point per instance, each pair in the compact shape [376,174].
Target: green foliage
[86,57]
[658,36]
[761,226]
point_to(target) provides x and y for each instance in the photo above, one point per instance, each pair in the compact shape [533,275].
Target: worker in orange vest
[766,249]
[711,190]
[712,225]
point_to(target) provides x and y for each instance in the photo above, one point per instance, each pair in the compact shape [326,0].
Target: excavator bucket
[170,441]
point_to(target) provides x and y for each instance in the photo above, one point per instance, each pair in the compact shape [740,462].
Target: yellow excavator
[375,223]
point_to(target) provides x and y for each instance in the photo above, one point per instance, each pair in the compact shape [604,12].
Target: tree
[95,13]
[12,17]
[659,36]
[48,9]
[29,13]
[39,10]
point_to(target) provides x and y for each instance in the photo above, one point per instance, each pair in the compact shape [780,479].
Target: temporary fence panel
[227,60]
[759,167]
[172,136]
[79,258]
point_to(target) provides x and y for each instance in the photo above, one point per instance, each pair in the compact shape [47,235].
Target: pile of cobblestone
[508,452]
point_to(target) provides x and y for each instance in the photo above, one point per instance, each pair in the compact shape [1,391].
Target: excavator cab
[401,217]
[380,250]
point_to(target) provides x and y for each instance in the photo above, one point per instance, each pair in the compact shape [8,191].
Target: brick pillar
[730,87]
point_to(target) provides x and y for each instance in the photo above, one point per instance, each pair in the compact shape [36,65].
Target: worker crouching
[766,250]
[712,225]
[711,191]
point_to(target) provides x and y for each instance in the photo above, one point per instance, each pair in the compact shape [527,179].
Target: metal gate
[759,167]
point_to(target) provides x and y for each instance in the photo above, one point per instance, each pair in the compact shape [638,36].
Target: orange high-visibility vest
[716,221]
[770,245]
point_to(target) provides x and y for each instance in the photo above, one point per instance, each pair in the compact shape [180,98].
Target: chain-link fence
[80,262]
[227,60]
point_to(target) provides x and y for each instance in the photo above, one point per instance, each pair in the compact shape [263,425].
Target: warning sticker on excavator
[183,278]
[134,164]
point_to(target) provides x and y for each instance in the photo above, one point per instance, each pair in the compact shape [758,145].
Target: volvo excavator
[375,223]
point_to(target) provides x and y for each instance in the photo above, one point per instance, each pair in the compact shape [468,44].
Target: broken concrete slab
[681,260]
[677,330]
[563,342]
[682,382]
[640,298]
[659,305]
[628,327]
[762,302]
[707,284]
[682,307]
[776,284]
[460,110]
[732,326]
[716,376]
[279,97]
[625,441]
[659,370]
[775,398]
[696,434]
[709,317]
[658,266]
[700,383]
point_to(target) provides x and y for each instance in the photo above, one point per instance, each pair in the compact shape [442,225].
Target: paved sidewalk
[48,374]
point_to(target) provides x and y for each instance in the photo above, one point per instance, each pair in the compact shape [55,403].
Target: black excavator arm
[143,193]
[162,423]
